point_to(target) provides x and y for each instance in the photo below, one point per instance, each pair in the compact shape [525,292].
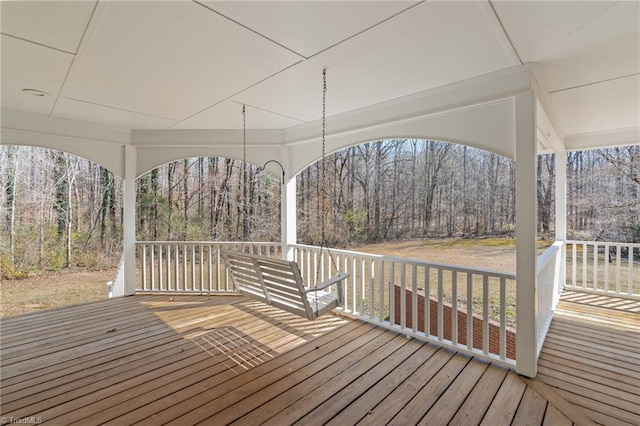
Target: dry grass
[494,254]
[50,291]
[68,288]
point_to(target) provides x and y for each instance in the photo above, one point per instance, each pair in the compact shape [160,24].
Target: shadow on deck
[220,360]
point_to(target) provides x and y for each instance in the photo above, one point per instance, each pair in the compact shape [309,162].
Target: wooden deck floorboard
[591,356]
[158,359]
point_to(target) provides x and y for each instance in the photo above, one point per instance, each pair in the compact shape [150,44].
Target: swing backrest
[245,274]
[278,283]
[284,286]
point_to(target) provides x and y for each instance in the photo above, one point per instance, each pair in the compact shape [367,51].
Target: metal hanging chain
[324,149]
[244,133]
[324,154]
[321,182]
[244,175]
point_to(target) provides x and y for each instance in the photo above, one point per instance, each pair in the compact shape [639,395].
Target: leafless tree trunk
[10,192]
[546,184]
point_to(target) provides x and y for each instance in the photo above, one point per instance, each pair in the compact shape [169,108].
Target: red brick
[494,327]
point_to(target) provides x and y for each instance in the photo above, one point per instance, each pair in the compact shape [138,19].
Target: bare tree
[10,199]
[59,209]
[546,185]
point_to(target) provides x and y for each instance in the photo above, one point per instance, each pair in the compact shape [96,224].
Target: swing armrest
[331,281]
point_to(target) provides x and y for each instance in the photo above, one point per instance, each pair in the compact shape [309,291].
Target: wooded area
[59,210]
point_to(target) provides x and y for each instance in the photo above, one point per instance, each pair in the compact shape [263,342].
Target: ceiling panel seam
[504,31]
[86,27]
[37,43]
[250,29]
[89,31]
[66,76]
[236,94]
[365,30]
[574,31]
[120,109]
[64,81]
[595,82]
[266,110]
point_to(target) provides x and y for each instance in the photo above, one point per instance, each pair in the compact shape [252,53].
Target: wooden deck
[591,357]
[220,360]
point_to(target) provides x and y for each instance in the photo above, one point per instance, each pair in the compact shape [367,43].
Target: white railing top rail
[603,243]
[213,242]
[407,261]
[549,255]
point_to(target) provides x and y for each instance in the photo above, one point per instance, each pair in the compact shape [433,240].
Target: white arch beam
[488,126]
[99,144]
[150,157]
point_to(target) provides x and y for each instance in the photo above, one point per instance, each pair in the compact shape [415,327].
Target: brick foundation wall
[494,329]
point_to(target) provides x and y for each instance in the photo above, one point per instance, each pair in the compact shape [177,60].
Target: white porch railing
[550,271]
[377,282]
[115,288]
[605,268]
[421,299]
[190,267]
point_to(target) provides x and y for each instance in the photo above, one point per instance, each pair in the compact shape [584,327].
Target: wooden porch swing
[278,282]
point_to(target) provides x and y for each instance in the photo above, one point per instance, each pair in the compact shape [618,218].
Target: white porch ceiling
[191,65]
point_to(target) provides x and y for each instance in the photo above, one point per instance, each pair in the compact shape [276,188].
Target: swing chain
[323,243]
[324,155]
[244,176]
[324,148]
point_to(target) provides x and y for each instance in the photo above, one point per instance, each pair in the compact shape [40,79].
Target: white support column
[561,211]
[526,227]
[288,218]
[129,219]
[561,196]
[288,208]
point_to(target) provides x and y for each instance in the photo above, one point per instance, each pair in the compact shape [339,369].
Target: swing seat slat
[279,283]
